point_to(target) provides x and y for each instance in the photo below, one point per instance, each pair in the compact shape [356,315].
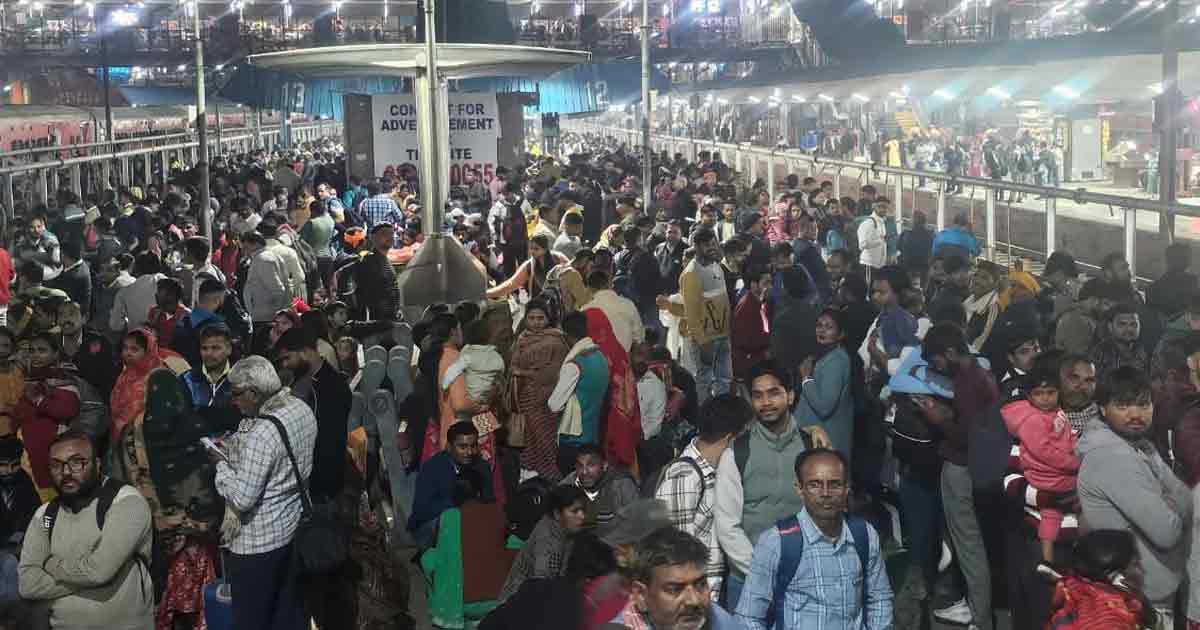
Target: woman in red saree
[142,355]
[622,429]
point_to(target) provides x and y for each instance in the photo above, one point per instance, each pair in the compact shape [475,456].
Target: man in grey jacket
[756,487]
[88,575]
[1125,484]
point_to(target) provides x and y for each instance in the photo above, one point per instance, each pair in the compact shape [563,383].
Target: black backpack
[104,500]
[624,282]
[527,506]
[914,440]
[233,311]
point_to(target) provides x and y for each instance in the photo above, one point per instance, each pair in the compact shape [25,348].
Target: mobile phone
[209,444]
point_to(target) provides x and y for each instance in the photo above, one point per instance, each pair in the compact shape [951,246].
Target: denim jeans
[714,368]
[921,508]
[734,584]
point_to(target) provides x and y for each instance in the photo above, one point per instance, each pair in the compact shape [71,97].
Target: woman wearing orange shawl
[142,355]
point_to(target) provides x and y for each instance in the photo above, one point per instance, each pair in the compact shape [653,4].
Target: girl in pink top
[1047,447]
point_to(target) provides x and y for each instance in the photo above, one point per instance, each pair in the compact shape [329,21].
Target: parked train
[36,126]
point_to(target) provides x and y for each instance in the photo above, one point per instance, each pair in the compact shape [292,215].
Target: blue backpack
[791,540]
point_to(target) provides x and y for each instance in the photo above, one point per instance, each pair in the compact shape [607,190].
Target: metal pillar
[76,180]
[990,224]
[1131,239]
[1051,220]
[941,207]
[430,93]
[1170,101]
[9,199]
[166,168]
[898,202]
[148,166]
[202,132]
[43,186]
[771,178]
[647,112]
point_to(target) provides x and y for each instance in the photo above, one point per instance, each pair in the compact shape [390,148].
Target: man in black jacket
[18,499]
[670,257]
[326,392]
[76,277]
[637,277]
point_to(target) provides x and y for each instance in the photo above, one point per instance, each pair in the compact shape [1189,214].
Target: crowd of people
[711,408]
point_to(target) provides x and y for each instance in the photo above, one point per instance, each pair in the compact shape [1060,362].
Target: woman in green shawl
[162,457]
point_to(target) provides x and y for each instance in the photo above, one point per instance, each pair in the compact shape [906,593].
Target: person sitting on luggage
[435,481]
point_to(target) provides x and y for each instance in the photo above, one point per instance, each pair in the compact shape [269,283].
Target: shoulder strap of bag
[741,452]
[791,549]
[305,500]
[862,546]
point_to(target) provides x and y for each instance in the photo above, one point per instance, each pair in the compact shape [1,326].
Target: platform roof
[457,61]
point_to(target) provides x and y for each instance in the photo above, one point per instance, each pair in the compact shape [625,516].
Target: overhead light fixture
[1157,88]
[1065,92]
[798,98]
[825,97]
[999,93]
[76,2]
[535,7]
[1142,4]
[755,99]
[722,101]
[121,17]
[220,67]
[896,94]
[944,94]
[7,89]
[860,98]
[181,67]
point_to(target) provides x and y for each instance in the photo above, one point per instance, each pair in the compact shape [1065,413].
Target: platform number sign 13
[293,96]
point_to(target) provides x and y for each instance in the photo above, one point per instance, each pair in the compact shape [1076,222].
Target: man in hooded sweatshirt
[1125,484]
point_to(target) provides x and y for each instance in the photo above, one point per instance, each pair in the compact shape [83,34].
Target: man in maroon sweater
[975,393]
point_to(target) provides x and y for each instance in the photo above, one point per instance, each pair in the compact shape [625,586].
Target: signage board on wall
[474,131]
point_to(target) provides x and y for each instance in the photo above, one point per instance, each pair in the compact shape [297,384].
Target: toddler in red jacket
[1048,456]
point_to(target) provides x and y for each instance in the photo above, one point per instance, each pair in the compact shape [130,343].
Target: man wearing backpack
[637,276]
[688,484]
[806,568]
[85,557]
[754,487]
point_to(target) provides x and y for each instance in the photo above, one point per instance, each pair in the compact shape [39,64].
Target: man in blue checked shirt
[379,207]
[826,589]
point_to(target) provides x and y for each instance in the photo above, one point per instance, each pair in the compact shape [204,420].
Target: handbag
[319,546]
[516,419]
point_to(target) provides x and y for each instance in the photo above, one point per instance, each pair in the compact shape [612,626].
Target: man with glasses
[820,568]
[258,482]
[86,554]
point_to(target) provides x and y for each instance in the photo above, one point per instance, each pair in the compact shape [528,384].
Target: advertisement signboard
[474,131]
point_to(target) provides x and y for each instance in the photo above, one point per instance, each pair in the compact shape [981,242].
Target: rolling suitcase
[218,601]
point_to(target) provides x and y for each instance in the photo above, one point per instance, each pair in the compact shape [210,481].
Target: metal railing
[25,185]
[1030,234]
[137,142]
